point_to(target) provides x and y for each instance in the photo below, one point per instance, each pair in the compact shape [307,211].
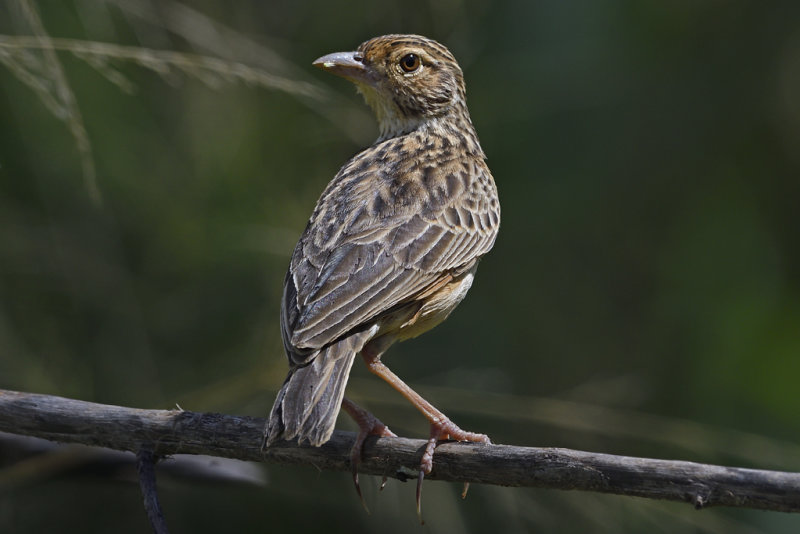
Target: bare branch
[146,467]
[166,432]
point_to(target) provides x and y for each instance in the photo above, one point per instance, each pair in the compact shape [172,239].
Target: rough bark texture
[165,432]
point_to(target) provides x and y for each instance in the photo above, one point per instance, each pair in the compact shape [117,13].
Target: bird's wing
[377,240]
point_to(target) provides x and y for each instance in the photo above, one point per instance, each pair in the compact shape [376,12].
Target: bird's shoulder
[411,179]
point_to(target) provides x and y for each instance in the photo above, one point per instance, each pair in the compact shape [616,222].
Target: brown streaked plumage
[393,243]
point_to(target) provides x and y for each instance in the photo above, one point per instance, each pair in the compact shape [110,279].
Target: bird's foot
[368,425]
[443,428]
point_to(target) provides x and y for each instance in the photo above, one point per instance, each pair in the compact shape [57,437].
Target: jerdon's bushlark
[392,245]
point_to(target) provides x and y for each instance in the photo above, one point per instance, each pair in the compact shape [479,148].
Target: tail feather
[311,396]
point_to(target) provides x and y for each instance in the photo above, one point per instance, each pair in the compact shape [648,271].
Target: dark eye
[409,62]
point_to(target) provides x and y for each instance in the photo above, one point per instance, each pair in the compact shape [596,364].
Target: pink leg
[441,426]
[368,425]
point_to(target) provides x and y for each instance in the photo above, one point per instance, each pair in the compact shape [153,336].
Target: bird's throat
[392,121]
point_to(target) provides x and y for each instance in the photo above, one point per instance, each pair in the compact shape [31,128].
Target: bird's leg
[368,425]
[441,426]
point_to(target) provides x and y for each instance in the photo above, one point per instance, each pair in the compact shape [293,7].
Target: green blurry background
[642,297]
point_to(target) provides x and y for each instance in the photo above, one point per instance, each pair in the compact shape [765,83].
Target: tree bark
[165,432]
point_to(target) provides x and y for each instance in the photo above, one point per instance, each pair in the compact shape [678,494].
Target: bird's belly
[437,306]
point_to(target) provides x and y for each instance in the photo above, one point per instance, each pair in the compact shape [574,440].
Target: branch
[165,432]
[146,467]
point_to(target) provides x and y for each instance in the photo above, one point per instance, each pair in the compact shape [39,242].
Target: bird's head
[408,80]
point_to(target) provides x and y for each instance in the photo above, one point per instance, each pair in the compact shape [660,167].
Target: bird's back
[399,217]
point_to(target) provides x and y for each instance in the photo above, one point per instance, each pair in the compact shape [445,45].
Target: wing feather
[376,241]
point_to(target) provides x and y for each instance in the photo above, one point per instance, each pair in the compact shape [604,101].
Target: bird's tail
[311,396]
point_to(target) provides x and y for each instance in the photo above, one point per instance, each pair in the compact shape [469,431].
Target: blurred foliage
[642,297]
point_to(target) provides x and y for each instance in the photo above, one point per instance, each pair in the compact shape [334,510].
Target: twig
[172,431]
[145,466]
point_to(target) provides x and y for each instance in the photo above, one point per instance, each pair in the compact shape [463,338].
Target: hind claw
[442,429]
[368,425]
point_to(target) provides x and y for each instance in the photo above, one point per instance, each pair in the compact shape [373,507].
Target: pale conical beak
[348,65]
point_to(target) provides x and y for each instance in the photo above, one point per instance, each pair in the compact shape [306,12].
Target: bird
[391,247]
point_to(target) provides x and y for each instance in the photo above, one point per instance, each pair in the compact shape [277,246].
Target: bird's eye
[409,62]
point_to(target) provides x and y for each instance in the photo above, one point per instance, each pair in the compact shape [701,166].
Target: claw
[442,429]
[355,460]
[420,478]
[358,491]
[368,425]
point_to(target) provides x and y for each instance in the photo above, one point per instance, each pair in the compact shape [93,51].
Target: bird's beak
[348,65]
